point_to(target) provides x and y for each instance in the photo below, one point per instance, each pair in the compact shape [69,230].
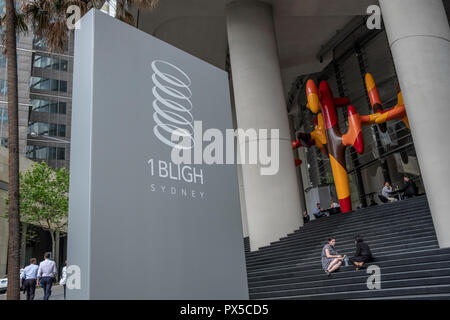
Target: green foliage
[48,18]
[31,235]
[44,197]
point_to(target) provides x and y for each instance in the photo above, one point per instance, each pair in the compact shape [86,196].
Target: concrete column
[272,202]
[419,37]
[239,167]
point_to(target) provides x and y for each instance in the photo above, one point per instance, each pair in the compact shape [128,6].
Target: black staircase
[403,241]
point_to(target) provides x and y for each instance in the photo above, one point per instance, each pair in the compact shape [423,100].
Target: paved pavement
[57,294]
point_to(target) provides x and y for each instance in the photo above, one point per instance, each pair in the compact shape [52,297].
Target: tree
[49,17]
[12,23]
[44,199]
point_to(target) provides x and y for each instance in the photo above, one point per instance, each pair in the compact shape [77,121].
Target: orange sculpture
[327,136]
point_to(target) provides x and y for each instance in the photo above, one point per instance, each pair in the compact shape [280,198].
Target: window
[46,153]
[61,131]
[47,129]
[40,105]
[41,43]
[4,60]
[52,63]
[3,114]
[3,87]
[39,128]
[48,84]
[60,153]
[3,122]
[2,8]
[63,65]
[53,129]
[63,86]
[62,108]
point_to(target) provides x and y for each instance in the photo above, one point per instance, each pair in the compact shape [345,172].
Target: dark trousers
[30,288]
[46,283]
[320,215]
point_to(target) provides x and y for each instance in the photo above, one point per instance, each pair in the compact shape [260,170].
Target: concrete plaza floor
[57,294]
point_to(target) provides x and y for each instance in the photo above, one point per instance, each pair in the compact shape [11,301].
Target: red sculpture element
[331,141]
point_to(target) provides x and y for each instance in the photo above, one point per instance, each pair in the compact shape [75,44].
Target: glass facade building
[48,134]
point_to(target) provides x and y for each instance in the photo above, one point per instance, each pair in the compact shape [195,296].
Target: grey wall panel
[145,242]
[79,235]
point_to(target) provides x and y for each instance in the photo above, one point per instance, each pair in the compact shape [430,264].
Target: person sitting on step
[331,259]
[318,212]
[386,192]
[305,217]
[410,189]
[334,207]
[362,254]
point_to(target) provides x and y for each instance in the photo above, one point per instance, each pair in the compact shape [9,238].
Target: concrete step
[381,248]
[291,254]
[402,239]
[350,279]
[348,229]
[349,288]
[318,274]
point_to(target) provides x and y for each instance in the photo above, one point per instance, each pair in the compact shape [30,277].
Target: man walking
[46,275]
[29,278]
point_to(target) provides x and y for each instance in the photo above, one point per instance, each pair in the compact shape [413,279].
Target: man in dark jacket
[410,188]
[362,254]
[305,217]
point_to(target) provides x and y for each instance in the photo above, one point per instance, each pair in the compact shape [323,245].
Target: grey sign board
[141,227]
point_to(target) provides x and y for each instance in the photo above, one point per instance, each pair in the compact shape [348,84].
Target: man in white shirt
[46,275]
[386,192]
[29,275]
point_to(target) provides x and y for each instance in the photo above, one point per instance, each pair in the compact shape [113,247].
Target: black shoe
[328,273]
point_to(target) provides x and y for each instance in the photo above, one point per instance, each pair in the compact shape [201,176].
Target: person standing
[63,279]
[29,277]
[46,275]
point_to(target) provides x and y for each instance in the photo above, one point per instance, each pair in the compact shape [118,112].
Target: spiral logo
[172,104]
